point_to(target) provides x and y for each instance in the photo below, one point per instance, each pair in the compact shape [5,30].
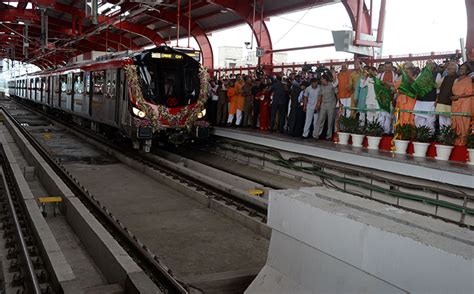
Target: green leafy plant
[348,124]
[374,129]
[470,141]
[423,134]
[405,132]
[447,135]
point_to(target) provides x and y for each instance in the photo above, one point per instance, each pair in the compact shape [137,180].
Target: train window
[98,80]
[69,83]
[111,87]
[191,85]
[87,82]
[63,83]
[78,83]
[45,84]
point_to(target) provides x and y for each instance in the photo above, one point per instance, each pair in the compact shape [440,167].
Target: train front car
[168,91]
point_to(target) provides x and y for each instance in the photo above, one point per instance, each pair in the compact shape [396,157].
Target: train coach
[143,95]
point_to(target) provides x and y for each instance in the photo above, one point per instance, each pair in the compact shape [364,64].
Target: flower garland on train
[153,116]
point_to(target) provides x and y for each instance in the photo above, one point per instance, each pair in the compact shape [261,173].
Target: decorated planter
[343,138]
[420,149]
[401,146]
[373,142]
[357,140]
[443,152]
[471,156]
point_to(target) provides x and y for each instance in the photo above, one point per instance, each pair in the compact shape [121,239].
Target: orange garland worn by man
[344,88]
[239,84]
[462,102]
[232,102]
[405,102]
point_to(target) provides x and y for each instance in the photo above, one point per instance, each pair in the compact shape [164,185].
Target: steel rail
[31,274]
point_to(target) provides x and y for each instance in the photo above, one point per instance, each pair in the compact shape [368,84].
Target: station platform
[450,172]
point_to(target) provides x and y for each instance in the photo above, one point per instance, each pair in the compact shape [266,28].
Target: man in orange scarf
[344,88]
[462,102]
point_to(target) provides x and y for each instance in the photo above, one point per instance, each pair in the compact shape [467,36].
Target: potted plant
[447,136]
[374,132]
[346,127]
[423,135]
[404,134]
[470,148]
[357,134]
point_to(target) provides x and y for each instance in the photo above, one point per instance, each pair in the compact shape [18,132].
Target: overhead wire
[293,26]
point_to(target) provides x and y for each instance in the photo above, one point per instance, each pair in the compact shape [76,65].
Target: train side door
[88,89]
[111,95]
[124,117]
[119,94]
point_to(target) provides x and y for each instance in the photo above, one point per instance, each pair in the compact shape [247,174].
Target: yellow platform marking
[50,199]
[256,192]
[47,136]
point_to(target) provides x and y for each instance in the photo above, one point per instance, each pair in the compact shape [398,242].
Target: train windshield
[172,83]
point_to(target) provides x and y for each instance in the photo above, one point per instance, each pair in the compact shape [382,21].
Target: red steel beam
[196,31]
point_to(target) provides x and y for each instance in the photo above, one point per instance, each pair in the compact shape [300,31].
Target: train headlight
[138,112]
[202,114]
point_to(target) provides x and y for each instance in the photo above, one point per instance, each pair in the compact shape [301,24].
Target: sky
[411,26]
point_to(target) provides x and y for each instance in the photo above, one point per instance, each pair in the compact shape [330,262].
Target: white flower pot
[373,142]
[420,149]
[343,138]
[357,140]
[401,146]
[471,156]
[443,152]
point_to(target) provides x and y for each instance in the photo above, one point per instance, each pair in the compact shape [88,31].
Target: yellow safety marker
[256,192]
[50,199]
[47,136]
[54,200]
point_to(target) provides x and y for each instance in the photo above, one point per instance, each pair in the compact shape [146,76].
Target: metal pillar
[26,44]
[44,30]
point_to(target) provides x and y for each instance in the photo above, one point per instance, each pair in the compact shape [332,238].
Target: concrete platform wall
[327,242]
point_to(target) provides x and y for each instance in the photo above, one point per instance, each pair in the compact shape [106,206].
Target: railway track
[26,267]
[156,270]
[171,174]
[443,201]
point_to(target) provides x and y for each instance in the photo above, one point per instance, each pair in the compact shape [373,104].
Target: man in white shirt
[310,99]
[371,100]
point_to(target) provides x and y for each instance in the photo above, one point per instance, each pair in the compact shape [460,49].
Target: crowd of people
[306,103]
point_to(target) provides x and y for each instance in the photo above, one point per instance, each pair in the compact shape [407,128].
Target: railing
[418,59]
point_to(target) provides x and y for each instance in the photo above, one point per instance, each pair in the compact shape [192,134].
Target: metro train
[142,95]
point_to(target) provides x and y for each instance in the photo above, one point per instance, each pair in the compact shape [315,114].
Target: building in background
[233,56]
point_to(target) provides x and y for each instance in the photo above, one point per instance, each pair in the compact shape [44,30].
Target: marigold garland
[153,116]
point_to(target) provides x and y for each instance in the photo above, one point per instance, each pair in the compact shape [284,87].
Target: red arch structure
[155,24]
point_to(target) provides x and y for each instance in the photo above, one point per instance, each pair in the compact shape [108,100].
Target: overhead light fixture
[224,10]
[173,27]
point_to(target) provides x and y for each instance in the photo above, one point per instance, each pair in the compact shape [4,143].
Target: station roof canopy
[122,25]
